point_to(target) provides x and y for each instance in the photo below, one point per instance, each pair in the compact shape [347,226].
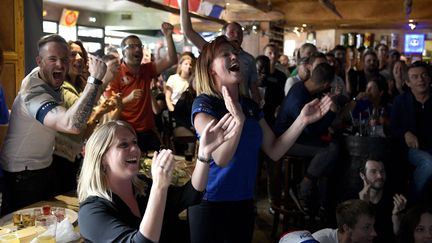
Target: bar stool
[292,167]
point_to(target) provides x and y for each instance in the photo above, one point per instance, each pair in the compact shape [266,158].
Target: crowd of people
[83,122]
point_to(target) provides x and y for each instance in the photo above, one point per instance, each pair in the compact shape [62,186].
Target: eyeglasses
[133,46]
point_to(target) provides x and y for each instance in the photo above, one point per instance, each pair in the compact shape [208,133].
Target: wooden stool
[292,167]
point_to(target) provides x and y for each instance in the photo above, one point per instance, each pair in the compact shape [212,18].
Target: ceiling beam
[260,6]
[254,16]
[163,7]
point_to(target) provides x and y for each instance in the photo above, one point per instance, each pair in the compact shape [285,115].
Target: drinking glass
[49,223]
[9,238]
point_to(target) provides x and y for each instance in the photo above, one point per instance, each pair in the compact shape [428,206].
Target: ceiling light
[411,20]
[304,25]
[227,4]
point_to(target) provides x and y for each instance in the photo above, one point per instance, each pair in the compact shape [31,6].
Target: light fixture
[410,20]
[412,25]
[227,4]
[92,19]
[304,25]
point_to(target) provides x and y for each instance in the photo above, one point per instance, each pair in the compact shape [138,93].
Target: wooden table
[67,200]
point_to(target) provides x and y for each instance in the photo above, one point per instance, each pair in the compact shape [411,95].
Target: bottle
[373,123]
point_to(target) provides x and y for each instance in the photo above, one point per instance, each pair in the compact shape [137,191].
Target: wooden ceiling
[362,14]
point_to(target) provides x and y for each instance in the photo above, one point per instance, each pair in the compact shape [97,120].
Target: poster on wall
[414,43]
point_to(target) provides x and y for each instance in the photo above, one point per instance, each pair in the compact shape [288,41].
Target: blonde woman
[179,82]
[226,213]
[116,205]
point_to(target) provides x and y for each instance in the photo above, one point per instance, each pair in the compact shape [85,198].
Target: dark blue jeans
[422,161]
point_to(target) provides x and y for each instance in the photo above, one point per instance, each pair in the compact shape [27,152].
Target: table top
[68,200]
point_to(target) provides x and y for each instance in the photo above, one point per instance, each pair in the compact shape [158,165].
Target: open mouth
[235,67]
[58,75]
[132,161]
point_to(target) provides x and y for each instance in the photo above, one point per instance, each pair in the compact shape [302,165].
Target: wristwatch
[204,160]
[95,81]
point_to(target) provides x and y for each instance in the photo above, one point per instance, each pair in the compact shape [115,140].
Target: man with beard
[355,220]
[134,83]
[386,204]
[37,115]
[357,80]
[234,32]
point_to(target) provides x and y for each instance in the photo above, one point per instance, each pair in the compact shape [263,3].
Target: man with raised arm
[37,114]
[234,32]
[134,84]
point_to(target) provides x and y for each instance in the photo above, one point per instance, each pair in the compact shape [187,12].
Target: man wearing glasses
[134,85]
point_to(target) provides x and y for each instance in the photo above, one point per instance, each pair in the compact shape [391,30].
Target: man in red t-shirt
[133,83]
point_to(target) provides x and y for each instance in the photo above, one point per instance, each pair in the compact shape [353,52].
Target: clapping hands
[316,109]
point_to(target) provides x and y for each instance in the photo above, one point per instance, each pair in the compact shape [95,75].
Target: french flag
[198,6]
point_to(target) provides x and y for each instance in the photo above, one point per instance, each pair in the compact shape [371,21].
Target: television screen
[414,43]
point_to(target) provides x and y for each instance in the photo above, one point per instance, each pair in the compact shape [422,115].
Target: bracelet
[93,80]
[204,160]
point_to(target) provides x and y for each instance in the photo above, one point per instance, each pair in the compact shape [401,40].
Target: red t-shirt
[138,113]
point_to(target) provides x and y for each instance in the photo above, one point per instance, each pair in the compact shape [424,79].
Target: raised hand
[97,68]
[167,28]
[364,194]
[315,110]
[214,135]
[113,67]
[411,140]
[162,168]
[233,107]
[399,203]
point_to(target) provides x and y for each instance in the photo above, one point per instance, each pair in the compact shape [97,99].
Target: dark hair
[382,85]
[271,45]
[347,212]
[306,46]
[381,44]
[410,221]
[376,158]
[51,38]
[394,53]
[80,44]
[417,64]
[264,62]
[123,42]
[339,48]
[316,55]
[367,53]
[323,73]
[329,54]
[225,26]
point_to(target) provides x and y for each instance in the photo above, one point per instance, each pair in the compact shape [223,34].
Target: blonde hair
[205,84]
[182,59]
[92,179]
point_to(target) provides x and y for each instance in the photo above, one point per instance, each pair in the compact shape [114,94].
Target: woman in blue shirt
[226,212]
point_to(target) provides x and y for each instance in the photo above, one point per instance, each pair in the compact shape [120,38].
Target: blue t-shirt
[236,181]
[4,113]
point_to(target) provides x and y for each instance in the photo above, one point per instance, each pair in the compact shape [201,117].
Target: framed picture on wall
[311,37]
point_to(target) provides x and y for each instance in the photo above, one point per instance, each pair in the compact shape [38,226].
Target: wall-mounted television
[414,43]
